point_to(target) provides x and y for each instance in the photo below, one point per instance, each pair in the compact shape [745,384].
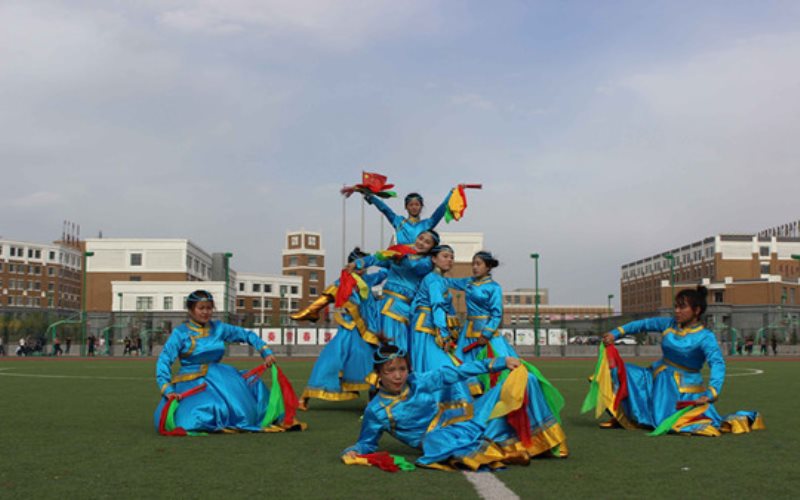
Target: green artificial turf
[84,429]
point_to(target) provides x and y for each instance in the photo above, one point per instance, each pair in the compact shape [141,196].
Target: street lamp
[671,259]
[610,311]
[84,317]
[227,256]
[535,257]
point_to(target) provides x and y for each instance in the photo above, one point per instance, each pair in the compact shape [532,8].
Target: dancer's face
[414,207]
[394,374]
[201,312]
[423,243]
[443,260]
[479,268]
[685,314]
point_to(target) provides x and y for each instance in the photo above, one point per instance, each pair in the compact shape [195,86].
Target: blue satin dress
[399,290]
[484,299]
[407,229]
[229,402]
[417,417]
[345,362]
[655,391]
[433,322]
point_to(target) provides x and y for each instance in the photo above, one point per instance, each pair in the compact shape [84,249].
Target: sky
[602,132]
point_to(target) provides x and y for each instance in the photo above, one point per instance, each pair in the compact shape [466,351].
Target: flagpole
[363,204]
[344,229]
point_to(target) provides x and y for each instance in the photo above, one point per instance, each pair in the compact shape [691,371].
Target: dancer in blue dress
[345,362]
[408,228]
[410,408]
[484,299]
[675,381]
[405,274]
[226,401]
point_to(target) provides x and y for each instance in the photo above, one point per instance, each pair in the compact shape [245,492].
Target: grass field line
[489,486]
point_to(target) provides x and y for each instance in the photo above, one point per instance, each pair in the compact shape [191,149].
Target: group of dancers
[459,393]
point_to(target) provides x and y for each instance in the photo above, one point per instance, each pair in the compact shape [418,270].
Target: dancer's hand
[701,400]
[512,363]
[173,395]
[608,338]
[350,454]
[351,266]
[482,340]
[269,361]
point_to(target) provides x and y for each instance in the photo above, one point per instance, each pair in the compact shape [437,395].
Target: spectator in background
[774,342]
[57,347]
[90,341]
[763,344]
[68,341]
[2,346]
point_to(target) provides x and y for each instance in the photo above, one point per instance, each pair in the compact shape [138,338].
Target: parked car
[625,341]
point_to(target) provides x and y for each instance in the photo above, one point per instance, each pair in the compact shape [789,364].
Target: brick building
[40,276]
[304,257]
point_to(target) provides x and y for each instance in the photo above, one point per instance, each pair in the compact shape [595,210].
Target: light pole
[227,256]
[671,259]
[610,311]
[84,317]
[535,257]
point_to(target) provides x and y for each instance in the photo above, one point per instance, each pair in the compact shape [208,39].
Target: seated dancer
[224,400]
[345,362]
[484,299]
[510,424]
[656,394]
[408,228]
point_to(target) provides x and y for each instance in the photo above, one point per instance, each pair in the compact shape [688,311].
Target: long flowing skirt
[341,368]
[487,440]
[228,403]
[654,396]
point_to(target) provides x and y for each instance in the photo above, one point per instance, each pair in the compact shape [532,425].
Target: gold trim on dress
[687,389]
[387,311]
[185,377]
[397,296]
[419,326]
[327,395]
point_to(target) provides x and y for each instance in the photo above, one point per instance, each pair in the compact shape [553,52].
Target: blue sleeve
[439,305]
[231,333]
[370,261]
[170,352]
[657,324]
[371,431]
[439,212]
[458,283]
[422,266]
[716,364]
[376,277]
[392,217]
[495,313]
[448,375]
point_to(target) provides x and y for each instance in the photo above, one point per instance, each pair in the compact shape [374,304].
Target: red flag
[615,361]
[519,420]
[374,182]
[290,401]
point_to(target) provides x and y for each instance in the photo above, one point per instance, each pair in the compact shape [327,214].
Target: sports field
[83,429]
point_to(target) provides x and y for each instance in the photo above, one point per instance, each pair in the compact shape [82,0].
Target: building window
[144,303]
[267,288]
[257,287]
[313,276]
[240,302]
[312,260]
[136,259]
[763,251]
[293,261]
[256,303]
[294,290]
[51,271]
[51,255]
[167,303]
[284,289]
[312,241]
[135,278]
[312,291]
[241,287]
[764,268]
[719,297]
[294,241]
